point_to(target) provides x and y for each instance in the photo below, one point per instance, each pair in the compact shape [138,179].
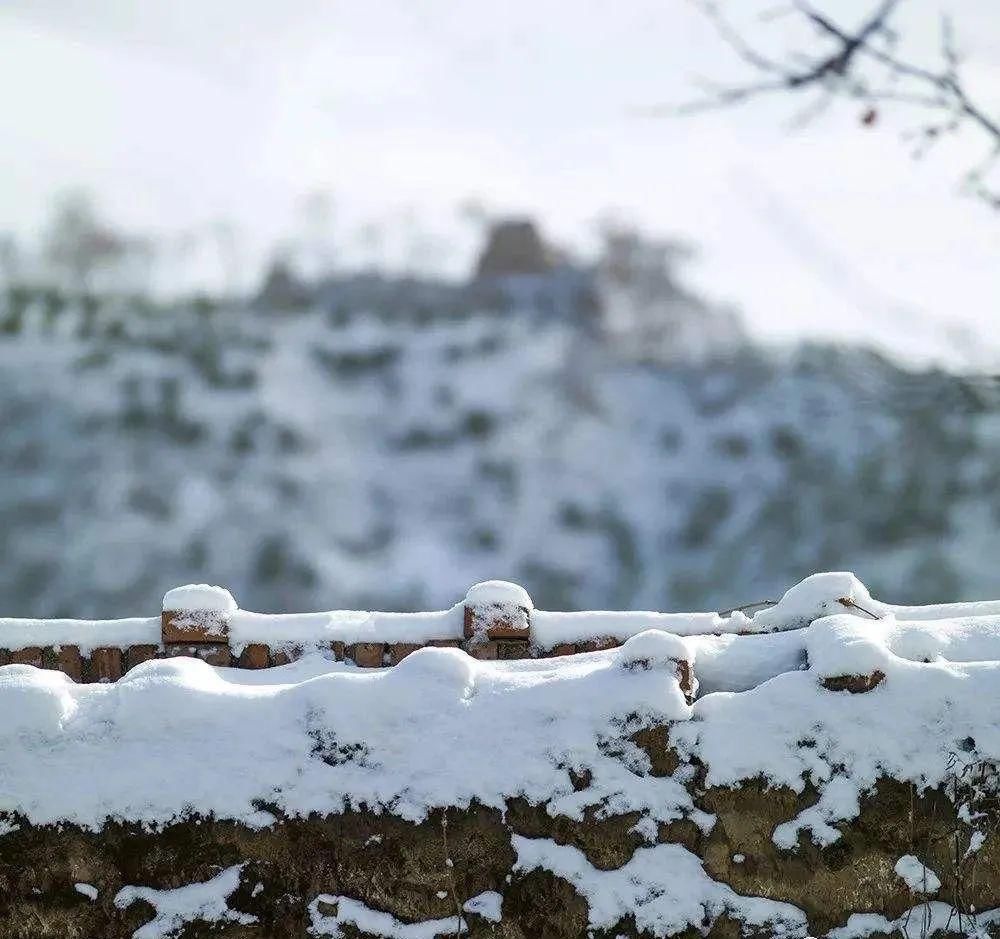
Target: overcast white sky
[176,114]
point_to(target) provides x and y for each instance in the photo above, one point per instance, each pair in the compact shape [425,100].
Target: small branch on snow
[852,605]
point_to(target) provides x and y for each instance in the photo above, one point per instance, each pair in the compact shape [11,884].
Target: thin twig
[748,606]
[854,605]
[838,69]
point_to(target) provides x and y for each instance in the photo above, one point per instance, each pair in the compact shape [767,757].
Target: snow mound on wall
[848,645]
[192,597]
[499,592]
[439,729]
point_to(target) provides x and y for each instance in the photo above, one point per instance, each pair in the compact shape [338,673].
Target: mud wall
[291,876]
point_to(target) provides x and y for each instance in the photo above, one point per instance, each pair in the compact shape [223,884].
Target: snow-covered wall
[828,767]
[496,620]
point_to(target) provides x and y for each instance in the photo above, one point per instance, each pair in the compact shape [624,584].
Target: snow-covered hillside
[348,457]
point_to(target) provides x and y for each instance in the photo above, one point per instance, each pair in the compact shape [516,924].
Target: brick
[498,622]
[255,655]
[366,654]
[446,643]
[855,684]
[564,648]
[194,626]
[281,657]
[32,655]
[400,650]
[218,654]
[105,665]
[4,657]
[598,644]
[513,649]
[69,662]
[337,647]
[484,650]
[136,655]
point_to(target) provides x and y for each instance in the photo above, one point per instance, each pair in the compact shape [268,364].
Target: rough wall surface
[401,868]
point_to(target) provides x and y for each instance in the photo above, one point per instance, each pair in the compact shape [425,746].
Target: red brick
[497,622]
[281,657]
[598,644]
[337,647]
[513,649]
[217,654]
[69,662]
[400,650]
[564,648]
[255,655]
[32,655]
[446,643]
[194,626]
[136,655]
[366,654]
[484,650]
[105,665]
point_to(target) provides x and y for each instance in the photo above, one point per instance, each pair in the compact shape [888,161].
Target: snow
[319,630]
[340,911]
[87,634]
[174,908]
[664,887]
[550,629]
[918,877]
[487,905]
[194,597]
[498,593]
[849,645]
[739,663]
[322,736]
[816,596]
[87,890]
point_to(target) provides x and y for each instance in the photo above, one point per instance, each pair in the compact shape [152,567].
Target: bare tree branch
[843,67]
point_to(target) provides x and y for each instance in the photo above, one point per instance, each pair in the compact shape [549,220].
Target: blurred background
[650,305]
